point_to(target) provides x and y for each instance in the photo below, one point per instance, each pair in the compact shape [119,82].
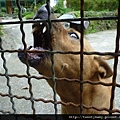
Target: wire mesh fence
[7,76]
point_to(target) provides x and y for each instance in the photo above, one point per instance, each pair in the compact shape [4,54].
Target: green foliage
[95,5]
[15,9]
[3,9]
[1,33]
[1,15]
[101,25]
[36,8]
[40,4]
[59,8]
[98,25]
[100,5]
[25,13]
[74,4]
[30,12]
[95,14]
[28,15]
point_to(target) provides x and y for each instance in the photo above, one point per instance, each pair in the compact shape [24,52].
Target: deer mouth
[41,40]
[41,35]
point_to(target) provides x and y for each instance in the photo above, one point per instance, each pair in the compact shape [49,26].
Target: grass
[29,16]
[1,33]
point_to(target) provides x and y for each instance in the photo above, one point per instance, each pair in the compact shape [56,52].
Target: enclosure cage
[7,76]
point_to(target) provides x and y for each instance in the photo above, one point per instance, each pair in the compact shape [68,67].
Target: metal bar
[52,60]
[116,54]
[61,52]
[60,79]
[25,48]
[68,52]
[8,79]
[81,55]
[60,20]
[60,102]
[115,62]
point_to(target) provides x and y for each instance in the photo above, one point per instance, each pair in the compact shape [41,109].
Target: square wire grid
[81,82]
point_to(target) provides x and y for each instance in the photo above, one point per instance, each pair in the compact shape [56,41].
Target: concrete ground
[101,41]
[12,40]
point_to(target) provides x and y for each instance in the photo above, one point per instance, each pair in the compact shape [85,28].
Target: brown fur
[95,68]
[68,66]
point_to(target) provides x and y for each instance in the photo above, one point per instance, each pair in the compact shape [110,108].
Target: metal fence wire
[7,76]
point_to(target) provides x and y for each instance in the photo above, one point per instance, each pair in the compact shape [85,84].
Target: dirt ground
[101,41]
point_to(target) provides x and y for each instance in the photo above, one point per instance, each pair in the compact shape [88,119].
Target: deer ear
[104,69]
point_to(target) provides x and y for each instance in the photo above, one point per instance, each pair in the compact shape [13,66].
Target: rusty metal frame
[111,110]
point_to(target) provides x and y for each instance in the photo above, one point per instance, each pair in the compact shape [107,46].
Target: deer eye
[73,35]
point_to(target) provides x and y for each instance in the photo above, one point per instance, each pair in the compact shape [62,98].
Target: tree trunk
[9,7]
